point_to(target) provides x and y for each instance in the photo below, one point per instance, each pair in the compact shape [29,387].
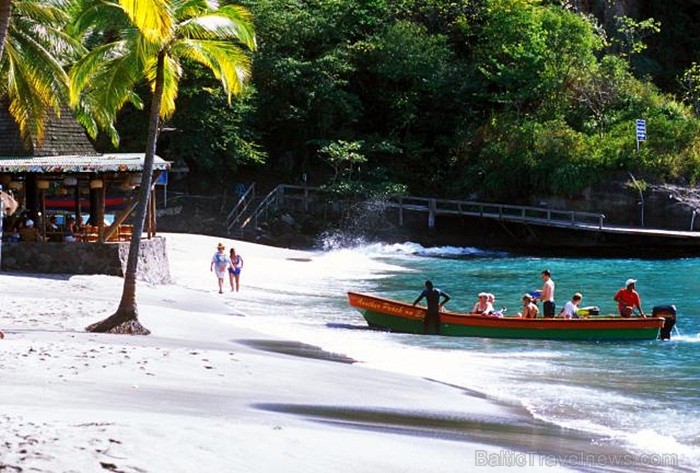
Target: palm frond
[95,18]
[185,9]
[89,65]
[172,71]
[229,63]
[152,17]
[244,18]
[29,99]
[43,12]
[40,64]
[226,23]
[35,48]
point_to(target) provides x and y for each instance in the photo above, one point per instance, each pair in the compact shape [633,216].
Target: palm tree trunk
[125,319]
[5,14]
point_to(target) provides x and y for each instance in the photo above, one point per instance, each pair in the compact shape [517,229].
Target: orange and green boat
[400,317]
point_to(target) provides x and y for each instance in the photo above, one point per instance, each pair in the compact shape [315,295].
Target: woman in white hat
[482,306]
[219,264]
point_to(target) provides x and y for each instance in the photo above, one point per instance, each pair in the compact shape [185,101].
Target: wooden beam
[121,216]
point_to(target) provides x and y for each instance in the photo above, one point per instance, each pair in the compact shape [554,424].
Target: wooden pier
[492,224]
[533,216]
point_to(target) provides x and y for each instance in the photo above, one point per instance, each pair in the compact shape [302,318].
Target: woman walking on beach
[219,264]
[234,270]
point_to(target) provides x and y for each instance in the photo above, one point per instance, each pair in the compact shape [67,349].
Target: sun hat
[483,294]
[630,281]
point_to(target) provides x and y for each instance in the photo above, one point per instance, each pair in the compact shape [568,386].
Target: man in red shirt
[627,299]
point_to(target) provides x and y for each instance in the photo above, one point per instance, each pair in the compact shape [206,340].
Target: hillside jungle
[490,99]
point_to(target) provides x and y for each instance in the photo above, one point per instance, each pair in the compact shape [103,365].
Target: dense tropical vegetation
[498,98]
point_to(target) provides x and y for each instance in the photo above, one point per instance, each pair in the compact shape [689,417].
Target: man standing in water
[547,294]
[432,296]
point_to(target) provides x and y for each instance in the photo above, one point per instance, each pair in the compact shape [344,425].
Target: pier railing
[502,212]
[236,216]
[300,197]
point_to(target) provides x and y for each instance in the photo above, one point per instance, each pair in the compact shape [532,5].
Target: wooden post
[280,195]
[400,211]
[42,208]
[101,213]
[78,210]
[150,216]
[155,207]
[432,210]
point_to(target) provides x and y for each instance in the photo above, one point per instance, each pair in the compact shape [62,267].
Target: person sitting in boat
[491,299]
[570,310]
[483,306]
[530,310]
[628,298]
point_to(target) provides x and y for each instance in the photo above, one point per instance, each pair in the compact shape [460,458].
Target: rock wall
[88,258]
[664,207]
[607,10]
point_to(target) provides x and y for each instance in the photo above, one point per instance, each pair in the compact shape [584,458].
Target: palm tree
[33,51]
[5,13]
[148,39]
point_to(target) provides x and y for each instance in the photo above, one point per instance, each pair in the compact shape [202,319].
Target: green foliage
[630,34]
[690,86]
[529,53]
[348,181]
[211,136]
[342,157]
[36,48]
[499,98]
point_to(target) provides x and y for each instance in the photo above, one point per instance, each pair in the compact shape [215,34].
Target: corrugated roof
[114,162]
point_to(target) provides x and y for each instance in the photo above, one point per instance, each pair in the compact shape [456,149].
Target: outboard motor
[668,312]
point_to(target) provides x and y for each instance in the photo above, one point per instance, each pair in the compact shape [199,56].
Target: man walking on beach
[432,316]
[547,294]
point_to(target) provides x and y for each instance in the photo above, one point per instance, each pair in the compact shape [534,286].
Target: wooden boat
[405,318]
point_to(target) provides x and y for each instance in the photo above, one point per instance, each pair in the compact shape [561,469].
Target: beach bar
[62,179]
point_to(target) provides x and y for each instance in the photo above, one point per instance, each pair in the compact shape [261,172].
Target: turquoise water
[644,396]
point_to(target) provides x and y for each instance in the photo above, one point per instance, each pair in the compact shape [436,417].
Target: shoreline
[205,392]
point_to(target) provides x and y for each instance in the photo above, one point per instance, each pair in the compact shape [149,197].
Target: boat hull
[401,317]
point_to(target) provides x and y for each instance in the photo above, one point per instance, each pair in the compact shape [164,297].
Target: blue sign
[641,126]
[162,179]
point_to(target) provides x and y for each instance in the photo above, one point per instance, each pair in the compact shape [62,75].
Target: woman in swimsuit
[234,270]
[530,310]
[483,306]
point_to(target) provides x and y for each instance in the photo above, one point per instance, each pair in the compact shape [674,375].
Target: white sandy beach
[204,393]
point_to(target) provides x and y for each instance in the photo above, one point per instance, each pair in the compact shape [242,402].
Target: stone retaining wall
[88,258]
